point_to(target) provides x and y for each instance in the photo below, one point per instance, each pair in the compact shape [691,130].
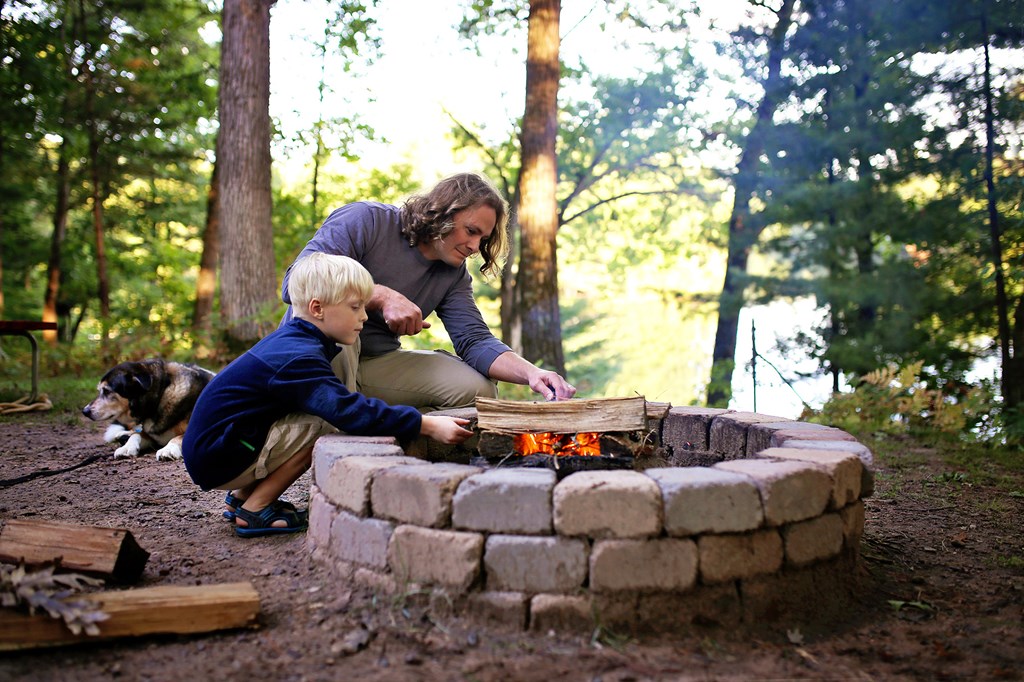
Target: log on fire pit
[566,436]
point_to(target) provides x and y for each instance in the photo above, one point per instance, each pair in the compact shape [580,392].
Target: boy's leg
[268,489]
[285,456]
[424,379]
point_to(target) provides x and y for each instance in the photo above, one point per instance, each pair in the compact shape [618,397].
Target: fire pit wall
[742,519]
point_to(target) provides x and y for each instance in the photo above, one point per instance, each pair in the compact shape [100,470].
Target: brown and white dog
[149,402]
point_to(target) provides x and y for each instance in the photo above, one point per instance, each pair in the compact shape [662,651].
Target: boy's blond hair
[329,278]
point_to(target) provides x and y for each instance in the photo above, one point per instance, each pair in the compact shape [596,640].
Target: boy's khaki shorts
[288,435]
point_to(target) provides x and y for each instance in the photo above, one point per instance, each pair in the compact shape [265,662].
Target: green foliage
[893,400]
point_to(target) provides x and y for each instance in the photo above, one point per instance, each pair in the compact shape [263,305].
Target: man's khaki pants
[425,379]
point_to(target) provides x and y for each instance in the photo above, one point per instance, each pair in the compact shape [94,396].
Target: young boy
[254,426]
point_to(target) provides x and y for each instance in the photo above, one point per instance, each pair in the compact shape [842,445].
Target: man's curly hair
[426,217]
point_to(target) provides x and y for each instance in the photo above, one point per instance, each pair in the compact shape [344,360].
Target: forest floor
[941,595]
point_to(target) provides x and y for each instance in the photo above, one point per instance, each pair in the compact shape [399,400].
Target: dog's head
[118,391]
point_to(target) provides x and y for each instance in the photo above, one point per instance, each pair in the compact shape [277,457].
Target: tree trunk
[206,284]
[248,279]
[96,194]
[1009,356]
[511,321]
[60,229]
[743,232]
[538,208]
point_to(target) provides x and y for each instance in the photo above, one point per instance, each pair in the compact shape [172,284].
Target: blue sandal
[236,502]
[262,522]
[233,502]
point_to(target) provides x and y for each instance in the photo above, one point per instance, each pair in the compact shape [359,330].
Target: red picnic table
[25,328]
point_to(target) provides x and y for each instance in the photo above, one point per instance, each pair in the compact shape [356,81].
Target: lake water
[661,349]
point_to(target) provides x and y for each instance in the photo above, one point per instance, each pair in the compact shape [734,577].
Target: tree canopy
[865,154]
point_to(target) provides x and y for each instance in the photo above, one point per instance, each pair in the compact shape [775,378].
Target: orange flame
[559,444]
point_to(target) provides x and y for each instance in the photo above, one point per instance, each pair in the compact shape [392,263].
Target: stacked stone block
[773,501]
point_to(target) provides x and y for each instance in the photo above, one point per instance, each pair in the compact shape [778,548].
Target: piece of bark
[657,410]
[562,416]
[108,553]
[166,609]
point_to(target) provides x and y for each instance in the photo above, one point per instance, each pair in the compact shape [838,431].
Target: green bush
[893,400]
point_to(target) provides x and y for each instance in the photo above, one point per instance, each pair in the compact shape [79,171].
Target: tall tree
[889,176]
[206,282]
[745,226]
[538,206]
[248,279]
[1011,335]
[64,125]
[91,48]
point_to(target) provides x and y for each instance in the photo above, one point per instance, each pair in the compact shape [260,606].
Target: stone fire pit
[744,518]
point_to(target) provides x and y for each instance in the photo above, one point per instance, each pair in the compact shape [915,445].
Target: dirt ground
[941,595]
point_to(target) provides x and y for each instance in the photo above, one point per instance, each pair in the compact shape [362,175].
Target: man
[417,256]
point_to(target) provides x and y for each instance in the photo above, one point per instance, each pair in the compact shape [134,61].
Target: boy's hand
[447,430]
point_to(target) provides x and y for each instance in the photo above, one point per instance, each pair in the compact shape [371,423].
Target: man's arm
[402,316]
[517,370]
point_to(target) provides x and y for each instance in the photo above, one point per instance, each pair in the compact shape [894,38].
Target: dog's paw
[130,449]
[116,432]
[169,453]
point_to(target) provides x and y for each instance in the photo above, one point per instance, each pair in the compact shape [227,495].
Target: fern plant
[895,400]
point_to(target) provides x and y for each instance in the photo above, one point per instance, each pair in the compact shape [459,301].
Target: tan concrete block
[760,436]
[728,557]
[643,565]
[519,563]
[679,612]
[601,504]
[514,501]
[377,580]
[867,481]
[321,515]
[700,500]
[687,428]
[500,608]
[818,595]
[728,434]
[813,441]
[790,490]
[844,468]
[418,494]
[813,540]
[337,442]
[853,524]
[333,447]
[431,556]
[345,479]
[561,613]
[361,541]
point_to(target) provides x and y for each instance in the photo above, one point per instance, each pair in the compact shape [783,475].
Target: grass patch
[67,377]
[1014,561]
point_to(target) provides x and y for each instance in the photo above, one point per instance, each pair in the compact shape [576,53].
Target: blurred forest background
[852,169]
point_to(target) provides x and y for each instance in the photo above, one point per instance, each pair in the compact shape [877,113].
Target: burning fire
[559,444]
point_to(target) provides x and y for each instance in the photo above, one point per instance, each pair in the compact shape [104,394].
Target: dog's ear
[143,380]
[132,384]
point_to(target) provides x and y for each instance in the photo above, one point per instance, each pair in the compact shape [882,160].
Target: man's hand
[552,386]
[402,316]
[447,430]
[516,370]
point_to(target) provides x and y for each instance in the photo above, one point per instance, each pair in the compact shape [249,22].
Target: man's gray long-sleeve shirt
[371,233]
